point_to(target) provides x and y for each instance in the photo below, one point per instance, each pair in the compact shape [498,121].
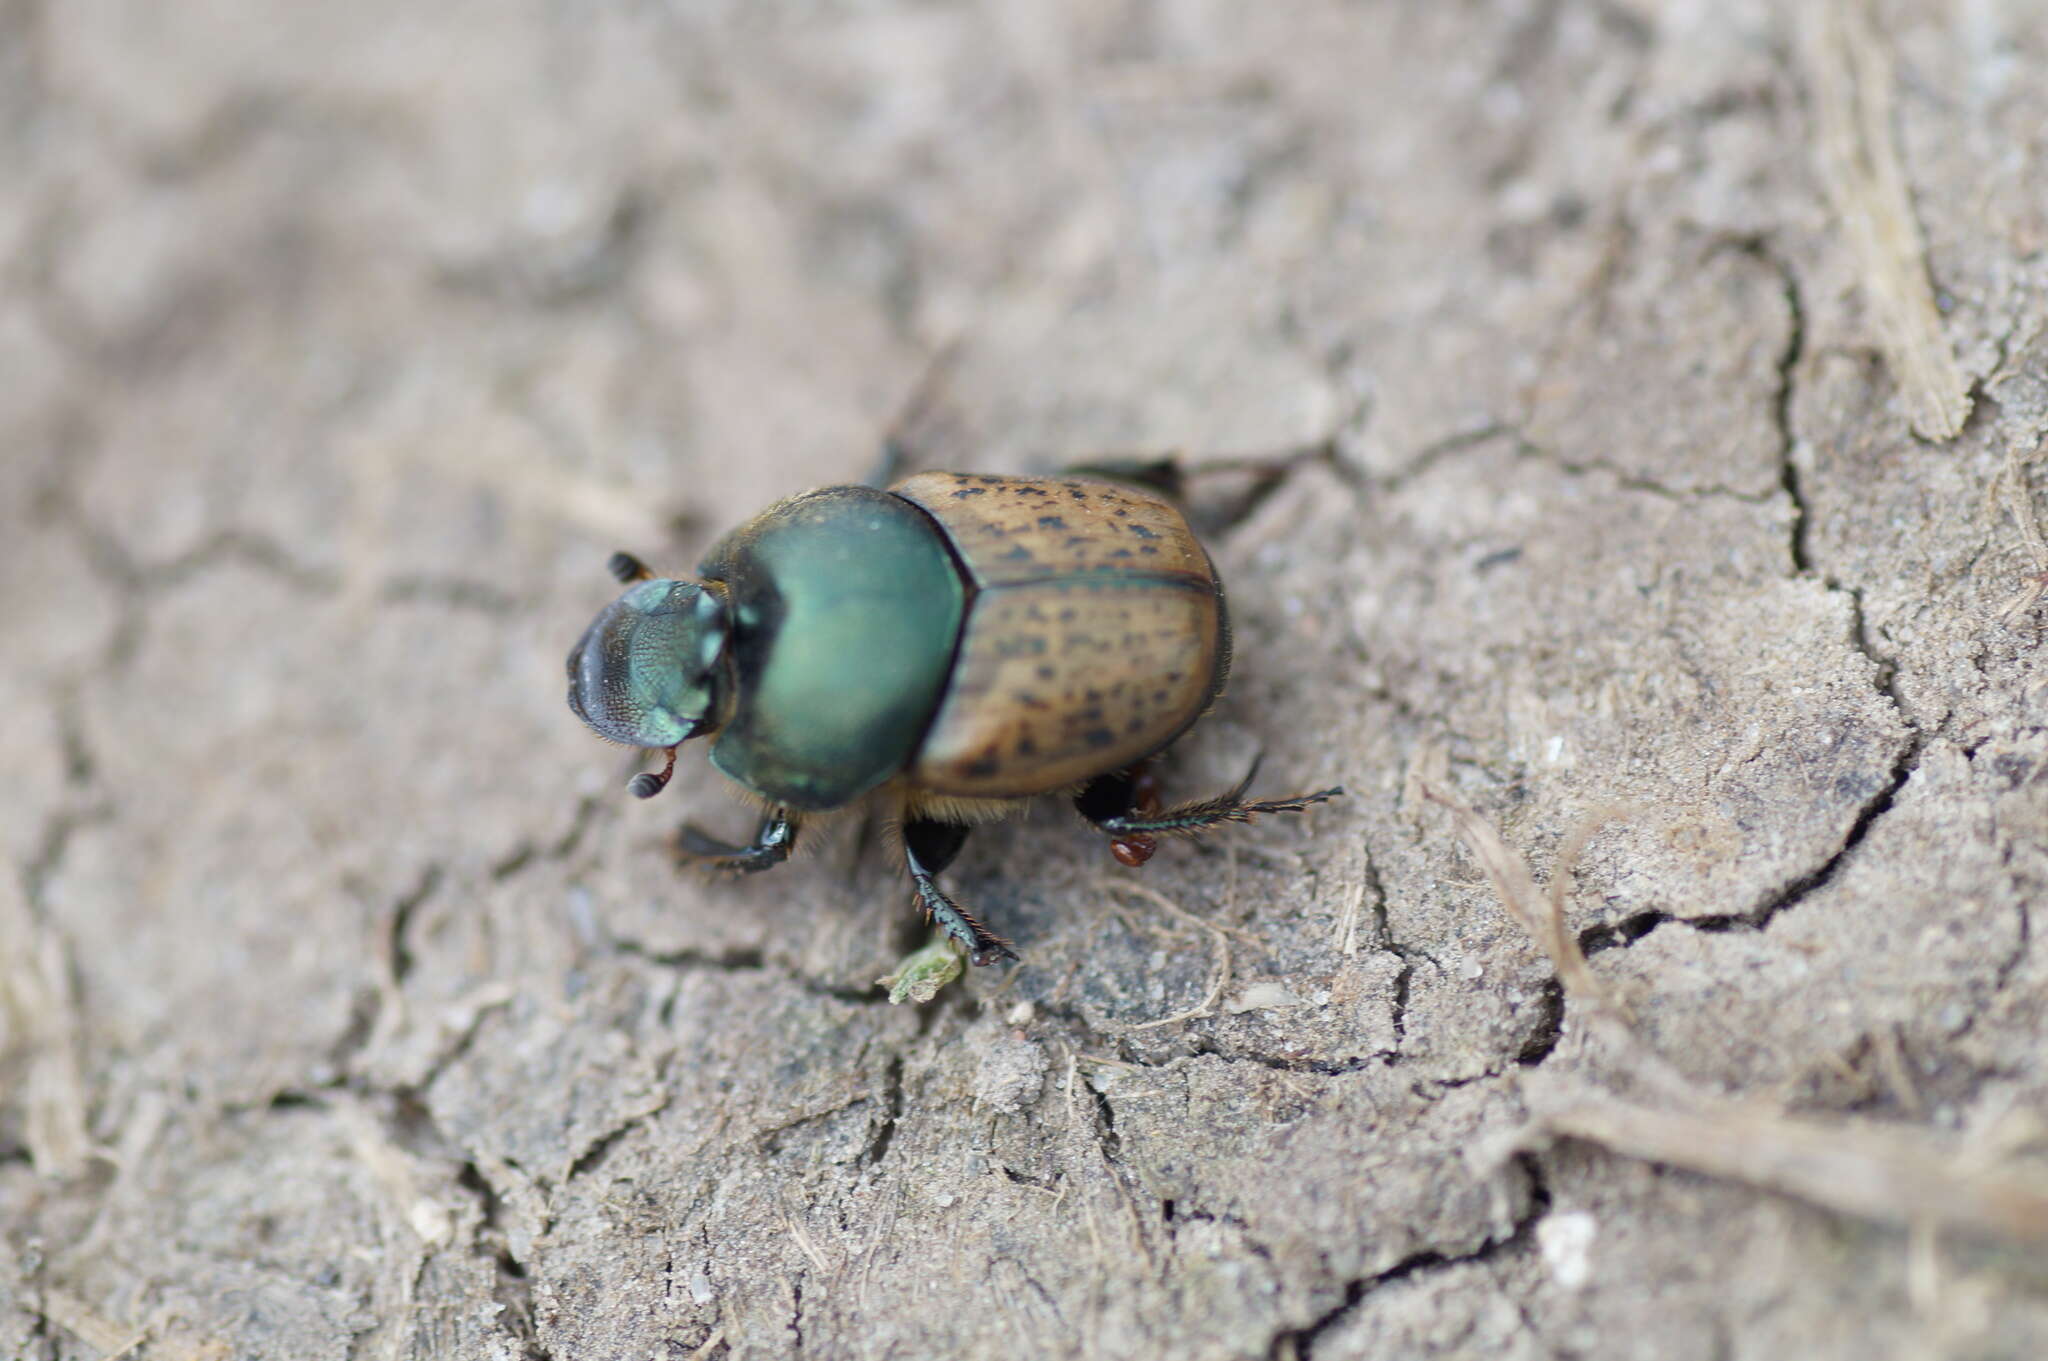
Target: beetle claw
[983,946]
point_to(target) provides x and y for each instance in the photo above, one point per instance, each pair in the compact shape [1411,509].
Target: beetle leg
[1153,473]
[1187,819]
[928,847]
[898,444]
[1258,476]
[1120,794]
[773,840]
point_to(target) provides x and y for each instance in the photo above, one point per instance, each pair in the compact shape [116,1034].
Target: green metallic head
[649,670]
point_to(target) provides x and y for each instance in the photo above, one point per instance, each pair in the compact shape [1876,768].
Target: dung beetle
[955,646]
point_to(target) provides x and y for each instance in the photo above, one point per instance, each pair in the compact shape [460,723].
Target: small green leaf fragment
[922,973]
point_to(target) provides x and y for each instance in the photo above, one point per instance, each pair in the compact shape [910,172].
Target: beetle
[955,645]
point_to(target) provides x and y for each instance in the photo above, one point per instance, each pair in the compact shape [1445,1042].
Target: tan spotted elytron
[1095,636]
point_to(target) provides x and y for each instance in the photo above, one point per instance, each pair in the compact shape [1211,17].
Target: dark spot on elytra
[1026,747]
[1051,522]
[1098,737]
[986,764]
[1120,512]
[1143,532]
[1122,553]
[964,492]
[1047,672]
[1148,550]
[1017,553]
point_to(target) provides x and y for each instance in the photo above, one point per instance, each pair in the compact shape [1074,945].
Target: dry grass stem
[1346,938]
[1219,974]
[39,1020]
[1891,1175]
[1536,912]
[1850,74]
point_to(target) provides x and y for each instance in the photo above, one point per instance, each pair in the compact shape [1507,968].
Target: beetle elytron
[956,645]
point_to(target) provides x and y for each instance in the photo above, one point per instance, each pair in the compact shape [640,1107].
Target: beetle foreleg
[773,840]
[929,847]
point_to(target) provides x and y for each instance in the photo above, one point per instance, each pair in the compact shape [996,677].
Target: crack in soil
[1620,935]
[53,846]
[747,959]
[1759,249]
[401,920]
[512,1288]
[892,1113]
[1299,1343]
[526,852]
[454,593]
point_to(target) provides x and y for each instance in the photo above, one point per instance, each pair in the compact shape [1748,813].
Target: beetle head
[649,672]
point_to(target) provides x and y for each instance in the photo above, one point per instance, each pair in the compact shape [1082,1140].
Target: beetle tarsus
[983,946]
[929,845]
[772,843]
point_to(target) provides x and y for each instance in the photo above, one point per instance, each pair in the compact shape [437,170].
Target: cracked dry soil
[352,1010]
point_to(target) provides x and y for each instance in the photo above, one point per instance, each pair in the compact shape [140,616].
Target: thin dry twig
[1886,1174]
[802,1238]
[1890,1175]
[1542,915]
[1538,913]
[1219,974]
[1346,939]
[1174,909]
[1850,73]
[39,1017]
[2010,486]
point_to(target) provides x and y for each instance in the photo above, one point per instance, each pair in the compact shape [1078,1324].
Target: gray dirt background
[352,1008]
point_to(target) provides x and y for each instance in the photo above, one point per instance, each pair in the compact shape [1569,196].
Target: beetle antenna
[647,784]
[627,569]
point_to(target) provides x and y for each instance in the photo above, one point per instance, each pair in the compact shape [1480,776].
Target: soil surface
[1657,386]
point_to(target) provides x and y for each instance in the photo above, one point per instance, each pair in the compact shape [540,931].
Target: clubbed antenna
[627,569]
[647,784]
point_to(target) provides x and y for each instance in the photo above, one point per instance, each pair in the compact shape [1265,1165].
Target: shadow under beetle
[956,645]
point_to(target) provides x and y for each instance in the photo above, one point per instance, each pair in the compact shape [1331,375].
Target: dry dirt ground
[1669,376]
